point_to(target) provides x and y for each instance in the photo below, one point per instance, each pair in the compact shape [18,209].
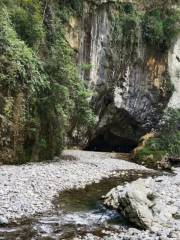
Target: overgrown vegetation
[27,18]
[44,104]
[70,8]
[125,25]
[124,37]
[160,27]
[68,89]
[159,24]
[166,143]
[22,81]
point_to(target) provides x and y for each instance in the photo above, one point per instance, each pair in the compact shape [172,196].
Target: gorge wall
[131,80]
[95,74]
[174,71]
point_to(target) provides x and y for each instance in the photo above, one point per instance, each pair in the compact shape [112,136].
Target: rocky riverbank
[29,189]
[153,204]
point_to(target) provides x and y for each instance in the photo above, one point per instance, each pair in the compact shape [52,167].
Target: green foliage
[128,8]
[151,153]
[125,22]
[166,143]
[69,92]
[86,66]
[69,7]
[124,37]
[20,68]
[27,18]
[170,132]
[160,27]
[163,4]
[160,24]
[40,111]
[22,82]
[125,27]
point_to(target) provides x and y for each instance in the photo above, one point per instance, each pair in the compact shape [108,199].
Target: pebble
[166,224]
[3,220]
[29,189]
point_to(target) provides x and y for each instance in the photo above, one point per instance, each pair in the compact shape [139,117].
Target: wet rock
[133,201]
[29,189]
[150,203]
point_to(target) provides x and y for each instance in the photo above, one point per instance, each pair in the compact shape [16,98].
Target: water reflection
[76,212]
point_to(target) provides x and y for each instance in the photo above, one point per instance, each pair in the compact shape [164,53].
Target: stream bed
[76,212]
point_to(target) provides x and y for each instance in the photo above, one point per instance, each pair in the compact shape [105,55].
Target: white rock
[3,220]
[133,202]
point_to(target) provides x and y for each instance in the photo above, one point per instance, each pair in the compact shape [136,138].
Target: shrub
[125,22]
[124,35]
[74,6]
[170,132]
[20,68]
[22,82]
[28,21]
[160,27]
[128,8]
[69,92]
[166,143]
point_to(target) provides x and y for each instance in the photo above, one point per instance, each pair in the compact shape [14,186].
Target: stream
[76,212]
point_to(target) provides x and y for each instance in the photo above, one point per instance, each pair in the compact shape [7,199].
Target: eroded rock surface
[133,201]
[148,203]
[130,82]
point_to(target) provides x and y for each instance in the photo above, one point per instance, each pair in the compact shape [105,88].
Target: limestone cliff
[125,51]
[174,71]
[131,81]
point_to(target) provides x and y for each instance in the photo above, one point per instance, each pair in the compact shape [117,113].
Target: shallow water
[76,212]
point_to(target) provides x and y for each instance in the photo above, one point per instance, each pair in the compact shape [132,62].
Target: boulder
[134,201]
[3,220]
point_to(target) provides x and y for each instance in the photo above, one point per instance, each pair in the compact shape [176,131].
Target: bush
[160,27]
[166,143]
[125,23]
[74,6]
[68,90]
[28,21]
[128,8]
[39,110]
[22,82]
[124,34]
[20,68]
[170,132]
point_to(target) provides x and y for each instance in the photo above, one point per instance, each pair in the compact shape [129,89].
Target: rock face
[130,81]
[174,70]
[133,201]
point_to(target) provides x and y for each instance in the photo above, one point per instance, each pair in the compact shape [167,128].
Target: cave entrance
[111,143]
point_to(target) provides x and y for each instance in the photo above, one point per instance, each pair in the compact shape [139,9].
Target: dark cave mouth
[111,143]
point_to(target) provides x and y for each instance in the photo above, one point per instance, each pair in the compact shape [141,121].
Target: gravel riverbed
[166,212]
[29,189]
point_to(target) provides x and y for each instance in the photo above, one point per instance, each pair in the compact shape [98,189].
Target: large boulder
[134,201]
